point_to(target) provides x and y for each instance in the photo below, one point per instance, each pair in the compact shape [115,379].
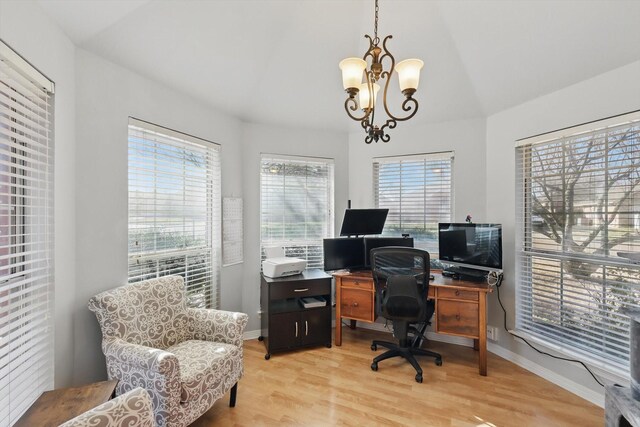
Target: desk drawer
[457,294]
[458,318]
[299,289]
[357,304]
[357,283]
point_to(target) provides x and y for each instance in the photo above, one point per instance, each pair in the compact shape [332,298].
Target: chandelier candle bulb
[364,95]
[352,69]
[409,74]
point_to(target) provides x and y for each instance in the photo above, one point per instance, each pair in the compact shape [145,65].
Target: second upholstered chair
[186,358]
[127,410]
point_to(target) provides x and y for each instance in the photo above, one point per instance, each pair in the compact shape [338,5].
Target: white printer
[277,265]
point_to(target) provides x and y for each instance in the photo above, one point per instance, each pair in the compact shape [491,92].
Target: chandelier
[359,92]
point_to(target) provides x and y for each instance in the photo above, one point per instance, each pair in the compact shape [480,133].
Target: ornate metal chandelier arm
[350,104]
[390,123]
[405,106]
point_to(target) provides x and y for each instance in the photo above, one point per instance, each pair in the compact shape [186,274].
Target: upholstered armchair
[185,358]
[127,410]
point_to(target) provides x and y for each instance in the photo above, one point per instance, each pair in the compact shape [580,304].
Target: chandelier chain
[376,40]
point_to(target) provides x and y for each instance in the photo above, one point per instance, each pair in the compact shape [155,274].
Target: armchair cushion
[204,365]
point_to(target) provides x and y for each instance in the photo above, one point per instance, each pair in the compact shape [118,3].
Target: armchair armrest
[217,325]
[139,356]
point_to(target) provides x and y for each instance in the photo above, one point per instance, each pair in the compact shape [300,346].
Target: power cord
[498,283]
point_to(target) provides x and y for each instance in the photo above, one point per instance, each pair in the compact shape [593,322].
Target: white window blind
[26,235]
[296,205]
[418,191]
[578,243]
[174,209]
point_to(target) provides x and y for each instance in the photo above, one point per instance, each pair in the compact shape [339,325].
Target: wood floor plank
[336,387]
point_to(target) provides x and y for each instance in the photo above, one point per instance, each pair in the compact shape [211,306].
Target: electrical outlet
[492,333]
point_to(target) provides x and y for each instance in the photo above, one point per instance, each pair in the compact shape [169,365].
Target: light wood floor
[336,386]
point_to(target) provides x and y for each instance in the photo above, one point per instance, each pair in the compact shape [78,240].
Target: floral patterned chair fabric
[130,409]
[186,358]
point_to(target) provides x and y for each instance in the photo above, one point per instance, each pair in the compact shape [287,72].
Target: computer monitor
[471,245]
[343,253]
[362,222]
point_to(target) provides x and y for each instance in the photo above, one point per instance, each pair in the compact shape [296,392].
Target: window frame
[293,247]
[27,103]
[202,278]
[434,158]
[534,283]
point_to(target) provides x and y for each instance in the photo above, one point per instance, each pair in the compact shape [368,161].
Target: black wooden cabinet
[285,323]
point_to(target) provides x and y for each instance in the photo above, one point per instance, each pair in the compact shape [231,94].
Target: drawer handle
[301,290]
[306,327]
[355,304]
[457,293]
[296,329]
[457,317]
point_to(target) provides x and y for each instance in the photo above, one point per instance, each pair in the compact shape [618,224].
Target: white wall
[49,50]
[609,94]
[106,96]
[464,137]
[256,139]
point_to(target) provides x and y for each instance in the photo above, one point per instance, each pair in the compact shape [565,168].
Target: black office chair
[401,277]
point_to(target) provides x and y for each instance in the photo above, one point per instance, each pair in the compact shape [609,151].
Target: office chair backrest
[401,277]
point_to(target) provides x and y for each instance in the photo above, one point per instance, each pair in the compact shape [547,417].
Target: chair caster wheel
[374,366]
[438,362]
[260,338]
[267,356]
[418,378]
[374,347]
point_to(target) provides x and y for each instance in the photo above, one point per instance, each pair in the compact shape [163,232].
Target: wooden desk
[55,407]
[461,307]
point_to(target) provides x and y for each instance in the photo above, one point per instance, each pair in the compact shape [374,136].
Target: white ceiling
[276,61]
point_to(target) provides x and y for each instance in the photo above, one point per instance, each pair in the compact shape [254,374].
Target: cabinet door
[285,330]
[316,326]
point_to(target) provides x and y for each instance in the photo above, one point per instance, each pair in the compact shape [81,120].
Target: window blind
[578,243]
[418,191]
[296,205]
[174,209]
[26,235]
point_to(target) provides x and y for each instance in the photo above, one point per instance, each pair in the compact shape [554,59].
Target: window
[296,205]
[174,209]
[26,235]
[418,191]
[578,246]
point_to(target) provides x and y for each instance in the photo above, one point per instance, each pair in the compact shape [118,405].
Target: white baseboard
[251,335]
[559,380]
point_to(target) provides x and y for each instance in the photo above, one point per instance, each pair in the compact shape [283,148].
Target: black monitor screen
[473,244]
[360,222]
[381,242]
[343,253]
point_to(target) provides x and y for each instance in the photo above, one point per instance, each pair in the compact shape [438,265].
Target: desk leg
[482,341]
[338,333]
